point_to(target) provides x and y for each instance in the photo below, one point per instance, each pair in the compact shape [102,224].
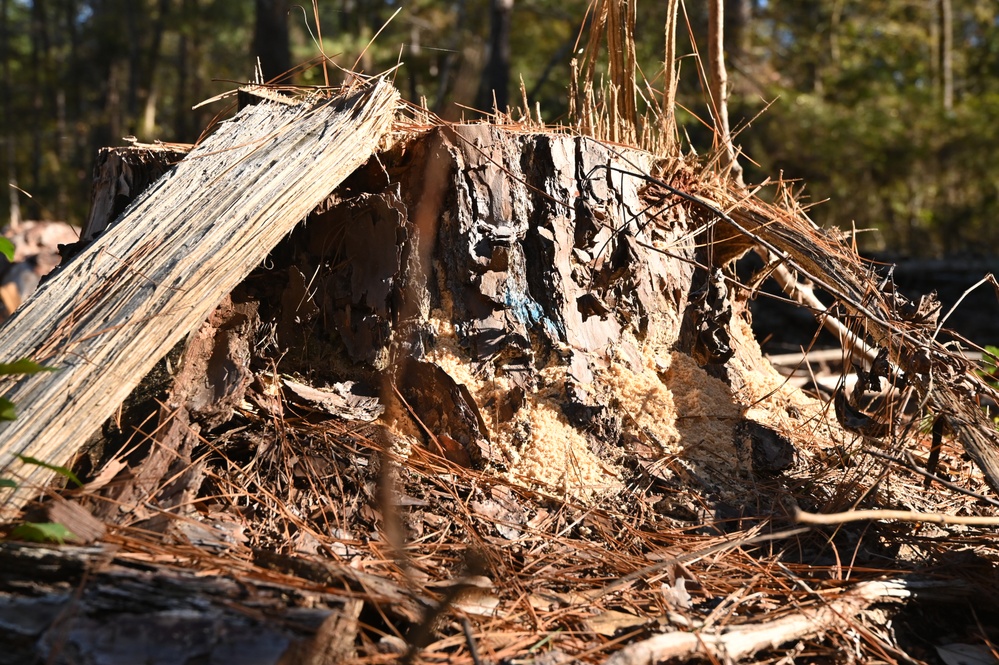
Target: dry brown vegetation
[354,460]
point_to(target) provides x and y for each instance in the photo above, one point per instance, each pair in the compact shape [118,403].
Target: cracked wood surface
[114,311]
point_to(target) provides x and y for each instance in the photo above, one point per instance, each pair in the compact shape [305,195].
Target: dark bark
[84,607]
[120,175]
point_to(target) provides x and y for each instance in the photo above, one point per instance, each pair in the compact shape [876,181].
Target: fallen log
[112,313]
[86,606]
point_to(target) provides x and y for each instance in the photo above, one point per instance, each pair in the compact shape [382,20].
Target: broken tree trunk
[120,174]
[111,314]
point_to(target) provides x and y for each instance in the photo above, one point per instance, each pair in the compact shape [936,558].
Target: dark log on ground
[82,605]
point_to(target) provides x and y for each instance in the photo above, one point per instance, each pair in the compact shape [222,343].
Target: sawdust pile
[664,398]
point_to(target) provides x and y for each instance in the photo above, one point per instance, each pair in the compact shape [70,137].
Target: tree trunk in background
[39,60]
[180,117]
[945,55]
[496,77]
[134,25]
[719,86]
[450,60]
[737,18]
[9,153]
[270,39]
[148,83]
[835,52]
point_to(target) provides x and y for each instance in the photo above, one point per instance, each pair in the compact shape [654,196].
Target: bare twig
[718,78]
[804,295]
[898,515]
[933,477]
[740,641]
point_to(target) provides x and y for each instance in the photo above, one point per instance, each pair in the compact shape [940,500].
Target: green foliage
[990,372]
[7,248]
[8,410]
[990,366]
[857,87]
[23,366]
[42,532]
[61,470]
[859,118]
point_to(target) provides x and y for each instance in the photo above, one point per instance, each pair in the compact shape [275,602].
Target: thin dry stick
[744,640]
[912,466]
[988,279]
[319,33]
[725,546]
[670,144]
[718,77]
[372,40]
[804,295]
[898,515]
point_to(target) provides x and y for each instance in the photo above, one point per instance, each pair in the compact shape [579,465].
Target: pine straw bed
[467,561]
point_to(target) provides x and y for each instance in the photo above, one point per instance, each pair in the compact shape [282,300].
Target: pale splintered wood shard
[109,315]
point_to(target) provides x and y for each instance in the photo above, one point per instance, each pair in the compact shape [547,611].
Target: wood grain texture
[109,315]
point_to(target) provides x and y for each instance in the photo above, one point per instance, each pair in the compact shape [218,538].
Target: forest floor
[366,551]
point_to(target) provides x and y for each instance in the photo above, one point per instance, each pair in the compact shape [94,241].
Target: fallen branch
[745,640]
[897,515]
[805,295]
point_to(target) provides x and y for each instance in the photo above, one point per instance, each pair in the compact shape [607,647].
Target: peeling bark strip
[111,314]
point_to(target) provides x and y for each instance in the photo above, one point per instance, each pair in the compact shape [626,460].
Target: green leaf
[7,248]
[42,532]
[24,366]
[7,482]
[7,410]
[990,357]
[61,470]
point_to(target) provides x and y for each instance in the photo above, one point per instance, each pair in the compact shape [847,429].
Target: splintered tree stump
[541,307]
[522,302]
[120,175]
[530,310]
